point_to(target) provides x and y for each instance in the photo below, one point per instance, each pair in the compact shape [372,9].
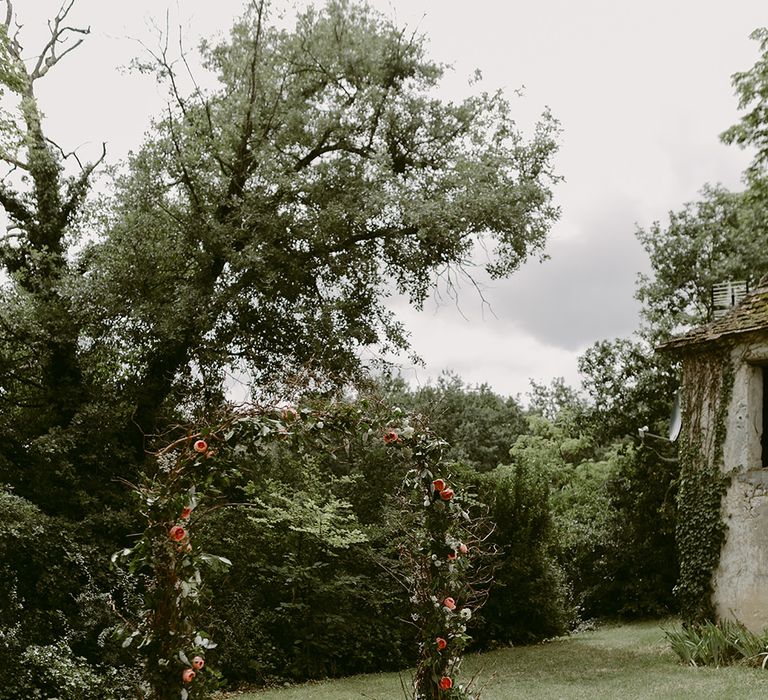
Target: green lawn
[621,661]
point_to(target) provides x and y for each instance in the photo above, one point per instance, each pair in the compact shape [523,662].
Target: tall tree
[752,90]
[261,225]
[287,202]
[719,237]
[41,381]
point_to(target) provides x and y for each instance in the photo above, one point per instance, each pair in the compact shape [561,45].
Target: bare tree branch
[15,46]
[77,189]
[48,56]
[64,155]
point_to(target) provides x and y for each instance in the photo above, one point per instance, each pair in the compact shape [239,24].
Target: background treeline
[310,592]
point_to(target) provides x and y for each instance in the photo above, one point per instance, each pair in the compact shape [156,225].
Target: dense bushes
[40,577]
[612,506]
[309,593]
[304,599]
[313,594]
[293,606]
[530,599]
[51,612]
[313,591]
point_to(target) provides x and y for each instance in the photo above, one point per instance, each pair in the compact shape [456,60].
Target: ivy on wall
[700,529]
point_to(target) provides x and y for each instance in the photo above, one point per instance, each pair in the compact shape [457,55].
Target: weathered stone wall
[740,582]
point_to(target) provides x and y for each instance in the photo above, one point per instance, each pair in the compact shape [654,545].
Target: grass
[620,661]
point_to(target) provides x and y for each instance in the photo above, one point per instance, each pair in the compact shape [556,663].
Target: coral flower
[390,436]
[441,643]
[446,494]
[200,446]
[463,548]
[450,603]
[186,511]
[438,484]
[446,683]
[188,675]
[177,533]
[451,556]
[289,413]
[198,662]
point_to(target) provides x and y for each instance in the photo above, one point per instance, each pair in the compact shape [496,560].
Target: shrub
[52,611]
[43,567]
[644,557]
[293,607]
[53,671]
[530,599]
[722,644]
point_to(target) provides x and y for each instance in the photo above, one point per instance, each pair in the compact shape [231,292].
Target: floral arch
[444,563]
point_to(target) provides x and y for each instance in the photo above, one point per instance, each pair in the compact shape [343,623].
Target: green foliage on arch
[226,468]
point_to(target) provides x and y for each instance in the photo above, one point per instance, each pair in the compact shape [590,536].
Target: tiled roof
[748,316]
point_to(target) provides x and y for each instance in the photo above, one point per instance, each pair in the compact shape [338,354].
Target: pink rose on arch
[186,511]
[177,533]
[438,485]
[198,662]
[390,436]
[463,548]
[200,446]
[441,643]
[446,683]
[451,556]
[446,494]
[188,675]
[450,603]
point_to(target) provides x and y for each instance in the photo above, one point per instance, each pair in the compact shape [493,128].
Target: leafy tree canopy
[752,90]
[479,425]
[259,227]
[713,240]
[265,220]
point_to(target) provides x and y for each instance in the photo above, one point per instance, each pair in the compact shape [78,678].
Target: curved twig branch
[49,56]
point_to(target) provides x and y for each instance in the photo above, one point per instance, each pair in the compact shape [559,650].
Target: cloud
[584,292]
[481,351]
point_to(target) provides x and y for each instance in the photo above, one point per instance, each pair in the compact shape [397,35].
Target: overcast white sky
[642,91]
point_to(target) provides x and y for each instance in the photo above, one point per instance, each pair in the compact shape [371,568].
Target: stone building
[724,401]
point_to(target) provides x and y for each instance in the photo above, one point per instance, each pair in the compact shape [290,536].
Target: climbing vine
[700,530]
[448,574]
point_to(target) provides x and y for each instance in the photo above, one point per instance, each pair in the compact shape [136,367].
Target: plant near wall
[700,530]
[724,643]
